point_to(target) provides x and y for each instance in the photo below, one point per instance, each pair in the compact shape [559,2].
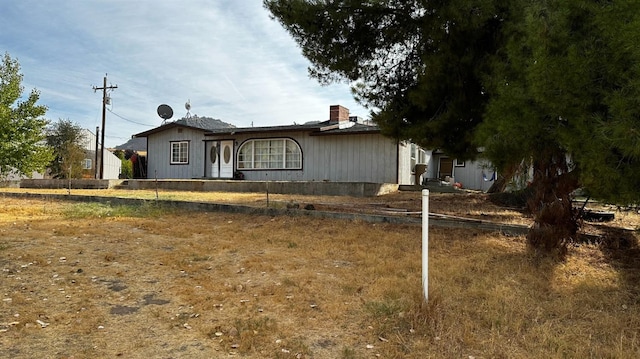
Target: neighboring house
[342,149]
[476,175]
[112,164]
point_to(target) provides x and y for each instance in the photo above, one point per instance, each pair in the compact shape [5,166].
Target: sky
[227,58]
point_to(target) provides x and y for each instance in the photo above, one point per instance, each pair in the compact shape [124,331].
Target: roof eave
[166,127]
[255,130]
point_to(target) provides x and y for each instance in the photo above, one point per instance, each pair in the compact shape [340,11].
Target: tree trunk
[500,184]
[556,223]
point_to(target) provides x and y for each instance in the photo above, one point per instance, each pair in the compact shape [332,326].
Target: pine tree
[541,86]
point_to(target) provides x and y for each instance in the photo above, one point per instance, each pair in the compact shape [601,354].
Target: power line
[126,119]
[120,138]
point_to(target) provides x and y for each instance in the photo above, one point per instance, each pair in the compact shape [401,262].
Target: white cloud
[227,57]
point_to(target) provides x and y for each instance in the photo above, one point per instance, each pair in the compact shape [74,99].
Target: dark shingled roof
[215,127]
[199,123]
[205,123]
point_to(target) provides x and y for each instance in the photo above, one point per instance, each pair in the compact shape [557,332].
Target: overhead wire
[128,120]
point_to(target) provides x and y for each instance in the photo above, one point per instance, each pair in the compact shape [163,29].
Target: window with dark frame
[180,152]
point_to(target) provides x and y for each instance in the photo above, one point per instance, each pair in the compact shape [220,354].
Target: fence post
[425,243]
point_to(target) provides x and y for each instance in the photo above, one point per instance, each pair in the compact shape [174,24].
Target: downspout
[397,162]
[204,173]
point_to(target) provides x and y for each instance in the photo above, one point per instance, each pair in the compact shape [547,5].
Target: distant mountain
[136,144]
[206,123]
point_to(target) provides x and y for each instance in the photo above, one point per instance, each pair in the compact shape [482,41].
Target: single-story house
[112,164]
[341,149]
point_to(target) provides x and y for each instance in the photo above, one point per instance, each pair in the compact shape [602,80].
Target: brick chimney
[338,114]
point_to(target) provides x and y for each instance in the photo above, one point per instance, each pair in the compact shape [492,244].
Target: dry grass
[143,282]
[465,204]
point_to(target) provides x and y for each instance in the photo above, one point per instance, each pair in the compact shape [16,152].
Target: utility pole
[104,89]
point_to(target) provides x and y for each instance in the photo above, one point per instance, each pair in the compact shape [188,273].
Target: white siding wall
[112,166]
[406,168]
[338,158]
[426,158]
[159,154]
[359,158]
[405,165]
[471,175]
[89,142]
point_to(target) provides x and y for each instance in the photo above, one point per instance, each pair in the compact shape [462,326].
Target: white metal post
[425,243]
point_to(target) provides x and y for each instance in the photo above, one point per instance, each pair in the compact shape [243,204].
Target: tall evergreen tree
[564,101]
[419,65]
[22,147]
[542,85]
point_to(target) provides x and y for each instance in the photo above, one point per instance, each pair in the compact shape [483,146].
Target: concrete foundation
[356,189]
[73,184]
[10,184]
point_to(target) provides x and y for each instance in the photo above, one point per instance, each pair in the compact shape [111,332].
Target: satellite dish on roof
[187,106]
[165,112]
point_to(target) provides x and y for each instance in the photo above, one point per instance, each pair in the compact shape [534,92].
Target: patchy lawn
[84,280]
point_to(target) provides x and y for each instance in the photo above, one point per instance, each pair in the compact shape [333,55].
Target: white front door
[226,159]
[222,159]
[221,156]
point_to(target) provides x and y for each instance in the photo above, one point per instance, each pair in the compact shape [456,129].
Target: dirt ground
[88,281]
[81,282]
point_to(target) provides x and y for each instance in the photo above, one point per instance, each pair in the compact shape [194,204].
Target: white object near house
[425,243]
[112,164]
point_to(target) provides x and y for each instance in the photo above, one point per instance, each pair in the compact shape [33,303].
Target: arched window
[270,153]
